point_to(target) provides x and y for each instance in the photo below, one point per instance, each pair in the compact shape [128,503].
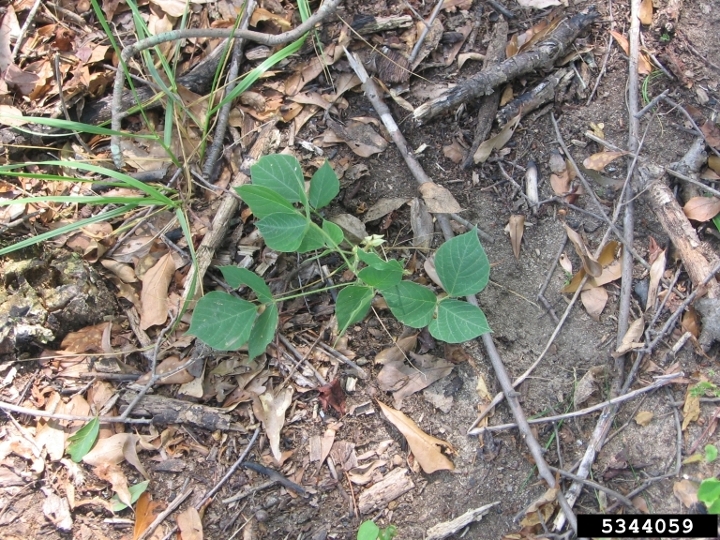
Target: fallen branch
[483,84]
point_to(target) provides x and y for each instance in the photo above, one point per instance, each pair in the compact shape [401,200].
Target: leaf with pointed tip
[82,441]
[222,321]
[282,174]
[334,232]
[324,186]
[458,321]
[462,265]
[412,304]
[263,201]
[382,275]
[263,331]
[313,239]
[283,232]
[236,277]
[353,303]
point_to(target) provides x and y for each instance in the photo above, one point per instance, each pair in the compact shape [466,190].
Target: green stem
[314,291]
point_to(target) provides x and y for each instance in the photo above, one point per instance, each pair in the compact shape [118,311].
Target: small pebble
[270,501]
[261,516]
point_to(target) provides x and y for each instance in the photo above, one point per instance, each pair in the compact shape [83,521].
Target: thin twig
[692,122]
[470,225]
[340,356]
[614,494]
[650,105]
[424,33]
[162,516]
[497,6]
[25,27]
[265,39]
[72,417]
[685,178]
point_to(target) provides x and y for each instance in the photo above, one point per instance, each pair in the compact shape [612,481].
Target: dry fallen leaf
[630,339]
[146,510]
[516,228]
[270,409]
[643,418]
[541,509]
[190,524]
[169,364]
[424,447]
[454,152]
[597,162]
[57,510]
[646,12]
[691,322]
[686,492]
[657,269]
[332,395]
[360,137]
[591,266]
[714,163]
[114,450]
[691,408]
[594,301]
[155,292]
[404,380]
[462,58]
[566,263]
[712,133]
[397,351]
[383,207]
[438,199]
[702,208]
[587,385]
[114,475]
[422,224]
[612,270]
[541,4]
[644,65]
[497,142]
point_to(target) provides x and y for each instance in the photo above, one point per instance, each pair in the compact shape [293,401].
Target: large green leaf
[412,304]
[353,303]
[282,174]
[223,321]
[334,232]
[283,232]
[368,531]
[313,239]
[263,201]
[263,331]
[82,441]
[462,265]
[324,186]
[382,275]
[709,491]
[237,277]
[458,321]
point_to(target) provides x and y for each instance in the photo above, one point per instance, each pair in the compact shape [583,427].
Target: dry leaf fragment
[462,58]
[594,301]
[438,199]
[630,339]
[657,269]
[714,163]
[422,224]
[153,297]
[516,228]
[643,418]
[497,142]
[702,208]
[712,133]
[691,408]
[644,65]
[190,524]
[57,510]
[398,350]
[454,152]
[686,492]
[587,385]
[646,12]
[566,263]
[541,4]
[270,409]
[114,475]
[541,509]
[116,449]
[597,162]
[591,266]
[360,137]
[612,270]
[169,364]
[383,207]
[332,395]
[691,322]
[424,447]
[146,510]
[404,380]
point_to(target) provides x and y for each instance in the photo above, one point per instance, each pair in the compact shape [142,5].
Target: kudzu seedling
[289,222]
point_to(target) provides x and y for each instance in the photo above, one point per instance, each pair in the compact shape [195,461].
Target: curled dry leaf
[332,395]
[497,142]
[516,228]
[190,524]
[114,475]
[146,510]
[630,339]
[153,297]
[462,58]
[643,418]
[429,266]
[644,65]
[566,263]
[353,228]
[657,269]
[397,351]
[114,450]
[597,162]
[691,322]
[270,409]
[438,199]
[594,301]
[612,270]
[591,266]
[424,447]
[646,12]
[702,208]
[541,509]
[383,207]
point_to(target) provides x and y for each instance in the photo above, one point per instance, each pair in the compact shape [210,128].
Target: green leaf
[222,321]
[709,491]
[368,531]
[282,174]
[353,303]
[82,441]
[237,277]
[714,508]
[283,232]
[382,275]
[412,304]
[263,331]
[324,186]
[711,453]
[716,221]
[313,239]
[458,321]
[334,232]
[388,533]
[462,265]
[368,257]
[135,491]
[263,201]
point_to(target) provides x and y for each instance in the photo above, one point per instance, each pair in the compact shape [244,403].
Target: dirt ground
[493,467]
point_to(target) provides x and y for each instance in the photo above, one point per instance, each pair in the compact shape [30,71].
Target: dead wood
[537,97]
[488,104]
[483,84]
[396,483]
[164,411]
[448,528]
[367,24]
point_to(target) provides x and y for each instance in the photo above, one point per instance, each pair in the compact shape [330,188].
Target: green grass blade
[77,127]
[67,229]
[79,199]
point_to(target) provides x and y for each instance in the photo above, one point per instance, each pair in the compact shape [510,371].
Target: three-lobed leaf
[283,232]
[82,441]
[458,321]
[237,277]
[412,304]
[263,331]
[223,321]
[324,186]
[282,174]
[264,201]
[353,303]
[462,265]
